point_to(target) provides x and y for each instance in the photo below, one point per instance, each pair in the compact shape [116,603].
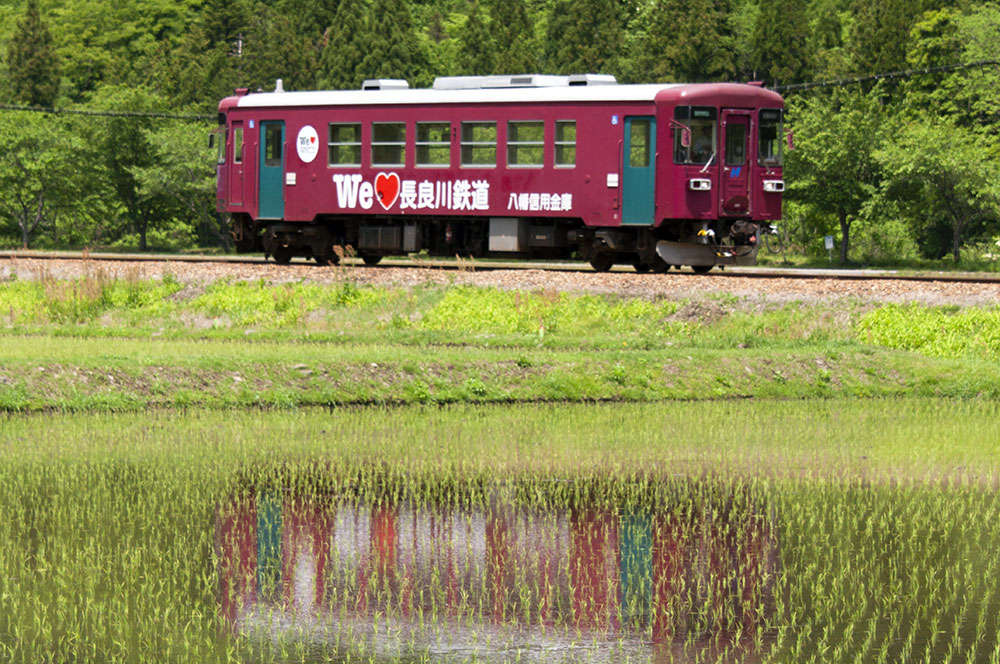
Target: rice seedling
[689,532]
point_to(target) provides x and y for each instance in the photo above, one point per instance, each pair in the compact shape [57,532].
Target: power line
[109,114]
[907,73]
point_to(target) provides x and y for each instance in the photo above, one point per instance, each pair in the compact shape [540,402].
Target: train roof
[513,95]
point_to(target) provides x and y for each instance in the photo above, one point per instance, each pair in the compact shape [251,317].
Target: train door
[236,165]
[272,170]
[639,170]
[734,199]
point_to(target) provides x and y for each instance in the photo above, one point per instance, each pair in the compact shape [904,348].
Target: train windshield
[703,122]
[769,141]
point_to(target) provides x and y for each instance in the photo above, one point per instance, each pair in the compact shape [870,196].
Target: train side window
[769,141]
[703,122]
[479,144]
[639,143]
[388,144]
[218,139]
[344,145]
[273,146]
[526,144]
[238,145]
[434,144]
[565,143]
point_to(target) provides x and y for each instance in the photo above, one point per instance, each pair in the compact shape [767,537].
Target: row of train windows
[478,142]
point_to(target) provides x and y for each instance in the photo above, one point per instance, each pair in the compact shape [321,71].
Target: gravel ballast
[673,285]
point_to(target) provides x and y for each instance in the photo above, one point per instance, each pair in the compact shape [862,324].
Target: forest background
[902,170]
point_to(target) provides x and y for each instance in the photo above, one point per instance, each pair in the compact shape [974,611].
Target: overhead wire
[156,115]
[872,78]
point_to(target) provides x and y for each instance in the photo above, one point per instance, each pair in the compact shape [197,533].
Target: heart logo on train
[387,189]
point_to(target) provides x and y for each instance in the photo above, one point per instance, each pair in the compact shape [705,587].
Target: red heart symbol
[387,189]
[312,139]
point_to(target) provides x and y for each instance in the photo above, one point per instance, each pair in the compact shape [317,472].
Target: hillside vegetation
[901,171]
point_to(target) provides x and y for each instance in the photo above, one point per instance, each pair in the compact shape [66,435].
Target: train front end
[721,178]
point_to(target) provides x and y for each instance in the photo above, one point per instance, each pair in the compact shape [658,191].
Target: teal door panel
[636,542]
[639,170]
[272,171]
[268,544]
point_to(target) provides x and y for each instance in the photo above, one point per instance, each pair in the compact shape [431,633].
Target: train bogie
[546,167]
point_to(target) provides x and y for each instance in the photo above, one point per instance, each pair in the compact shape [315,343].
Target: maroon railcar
[514,166]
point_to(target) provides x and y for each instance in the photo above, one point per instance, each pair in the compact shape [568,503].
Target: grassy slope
[100,345]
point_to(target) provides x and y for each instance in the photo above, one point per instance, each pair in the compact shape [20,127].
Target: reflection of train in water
[517,575]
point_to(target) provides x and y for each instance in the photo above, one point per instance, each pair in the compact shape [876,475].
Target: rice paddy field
[772,531]
[251,472]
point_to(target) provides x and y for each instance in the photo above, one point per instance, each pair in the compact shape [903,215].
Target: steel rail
[757,272]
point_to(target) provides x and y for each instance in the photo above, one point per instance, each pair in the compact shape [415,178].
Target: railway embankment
[102,340]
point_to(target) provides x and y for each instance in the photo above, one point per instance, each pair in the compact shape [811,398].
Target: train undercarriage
[698,244]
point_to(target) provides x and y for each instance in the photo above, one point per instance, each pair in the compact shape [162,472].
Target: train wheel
[702,269]
[640,267]
[602,262]
[283,256]
[660,266]
[371,259]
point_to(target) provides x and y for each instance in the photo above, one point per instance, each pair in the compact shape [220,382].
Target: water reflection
[501,581]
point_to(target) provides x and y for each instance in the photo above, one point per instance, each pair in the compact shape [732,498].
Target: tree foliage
[513,33]
[868,168]
[834,167]
[584,36]
[32,62]
[680,40]
[477,54]
[39,177]
[937,171]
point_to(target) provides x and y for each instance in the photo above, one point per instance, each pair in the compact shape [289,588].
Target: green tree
[275,48]
[225,21]
[32,62]
[830,26]
[394,49]
[975,97]
[934,41]
[122,146]
[584,36]
[110,42]
[941,172]
[40,177]
[182,181]
[514,36]
[679,40]
[880,32]
[477,53]
[833,166]
[779,52]
[345,47]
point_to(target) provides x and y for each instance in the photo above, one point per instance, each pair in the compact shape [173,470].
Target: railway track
[758,272]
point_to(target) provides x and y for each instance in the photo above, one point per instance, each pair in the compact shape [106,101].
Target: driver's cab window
[703,123]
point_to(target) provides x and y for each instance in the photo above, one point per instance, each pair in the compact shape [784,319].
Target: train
[531,166]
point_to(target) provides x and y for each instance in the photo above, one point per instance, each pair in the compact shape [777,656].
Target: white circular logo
[307,144]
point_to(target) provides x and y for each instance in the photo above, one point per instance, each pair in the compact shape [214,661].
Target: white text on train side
[388,188]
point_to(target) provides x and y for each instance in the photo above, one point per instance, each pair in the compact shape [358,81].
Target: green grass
[102,344]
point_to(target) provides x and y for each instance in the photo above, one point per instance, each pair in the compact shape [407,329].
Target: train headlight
[700,184]
[774,186]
